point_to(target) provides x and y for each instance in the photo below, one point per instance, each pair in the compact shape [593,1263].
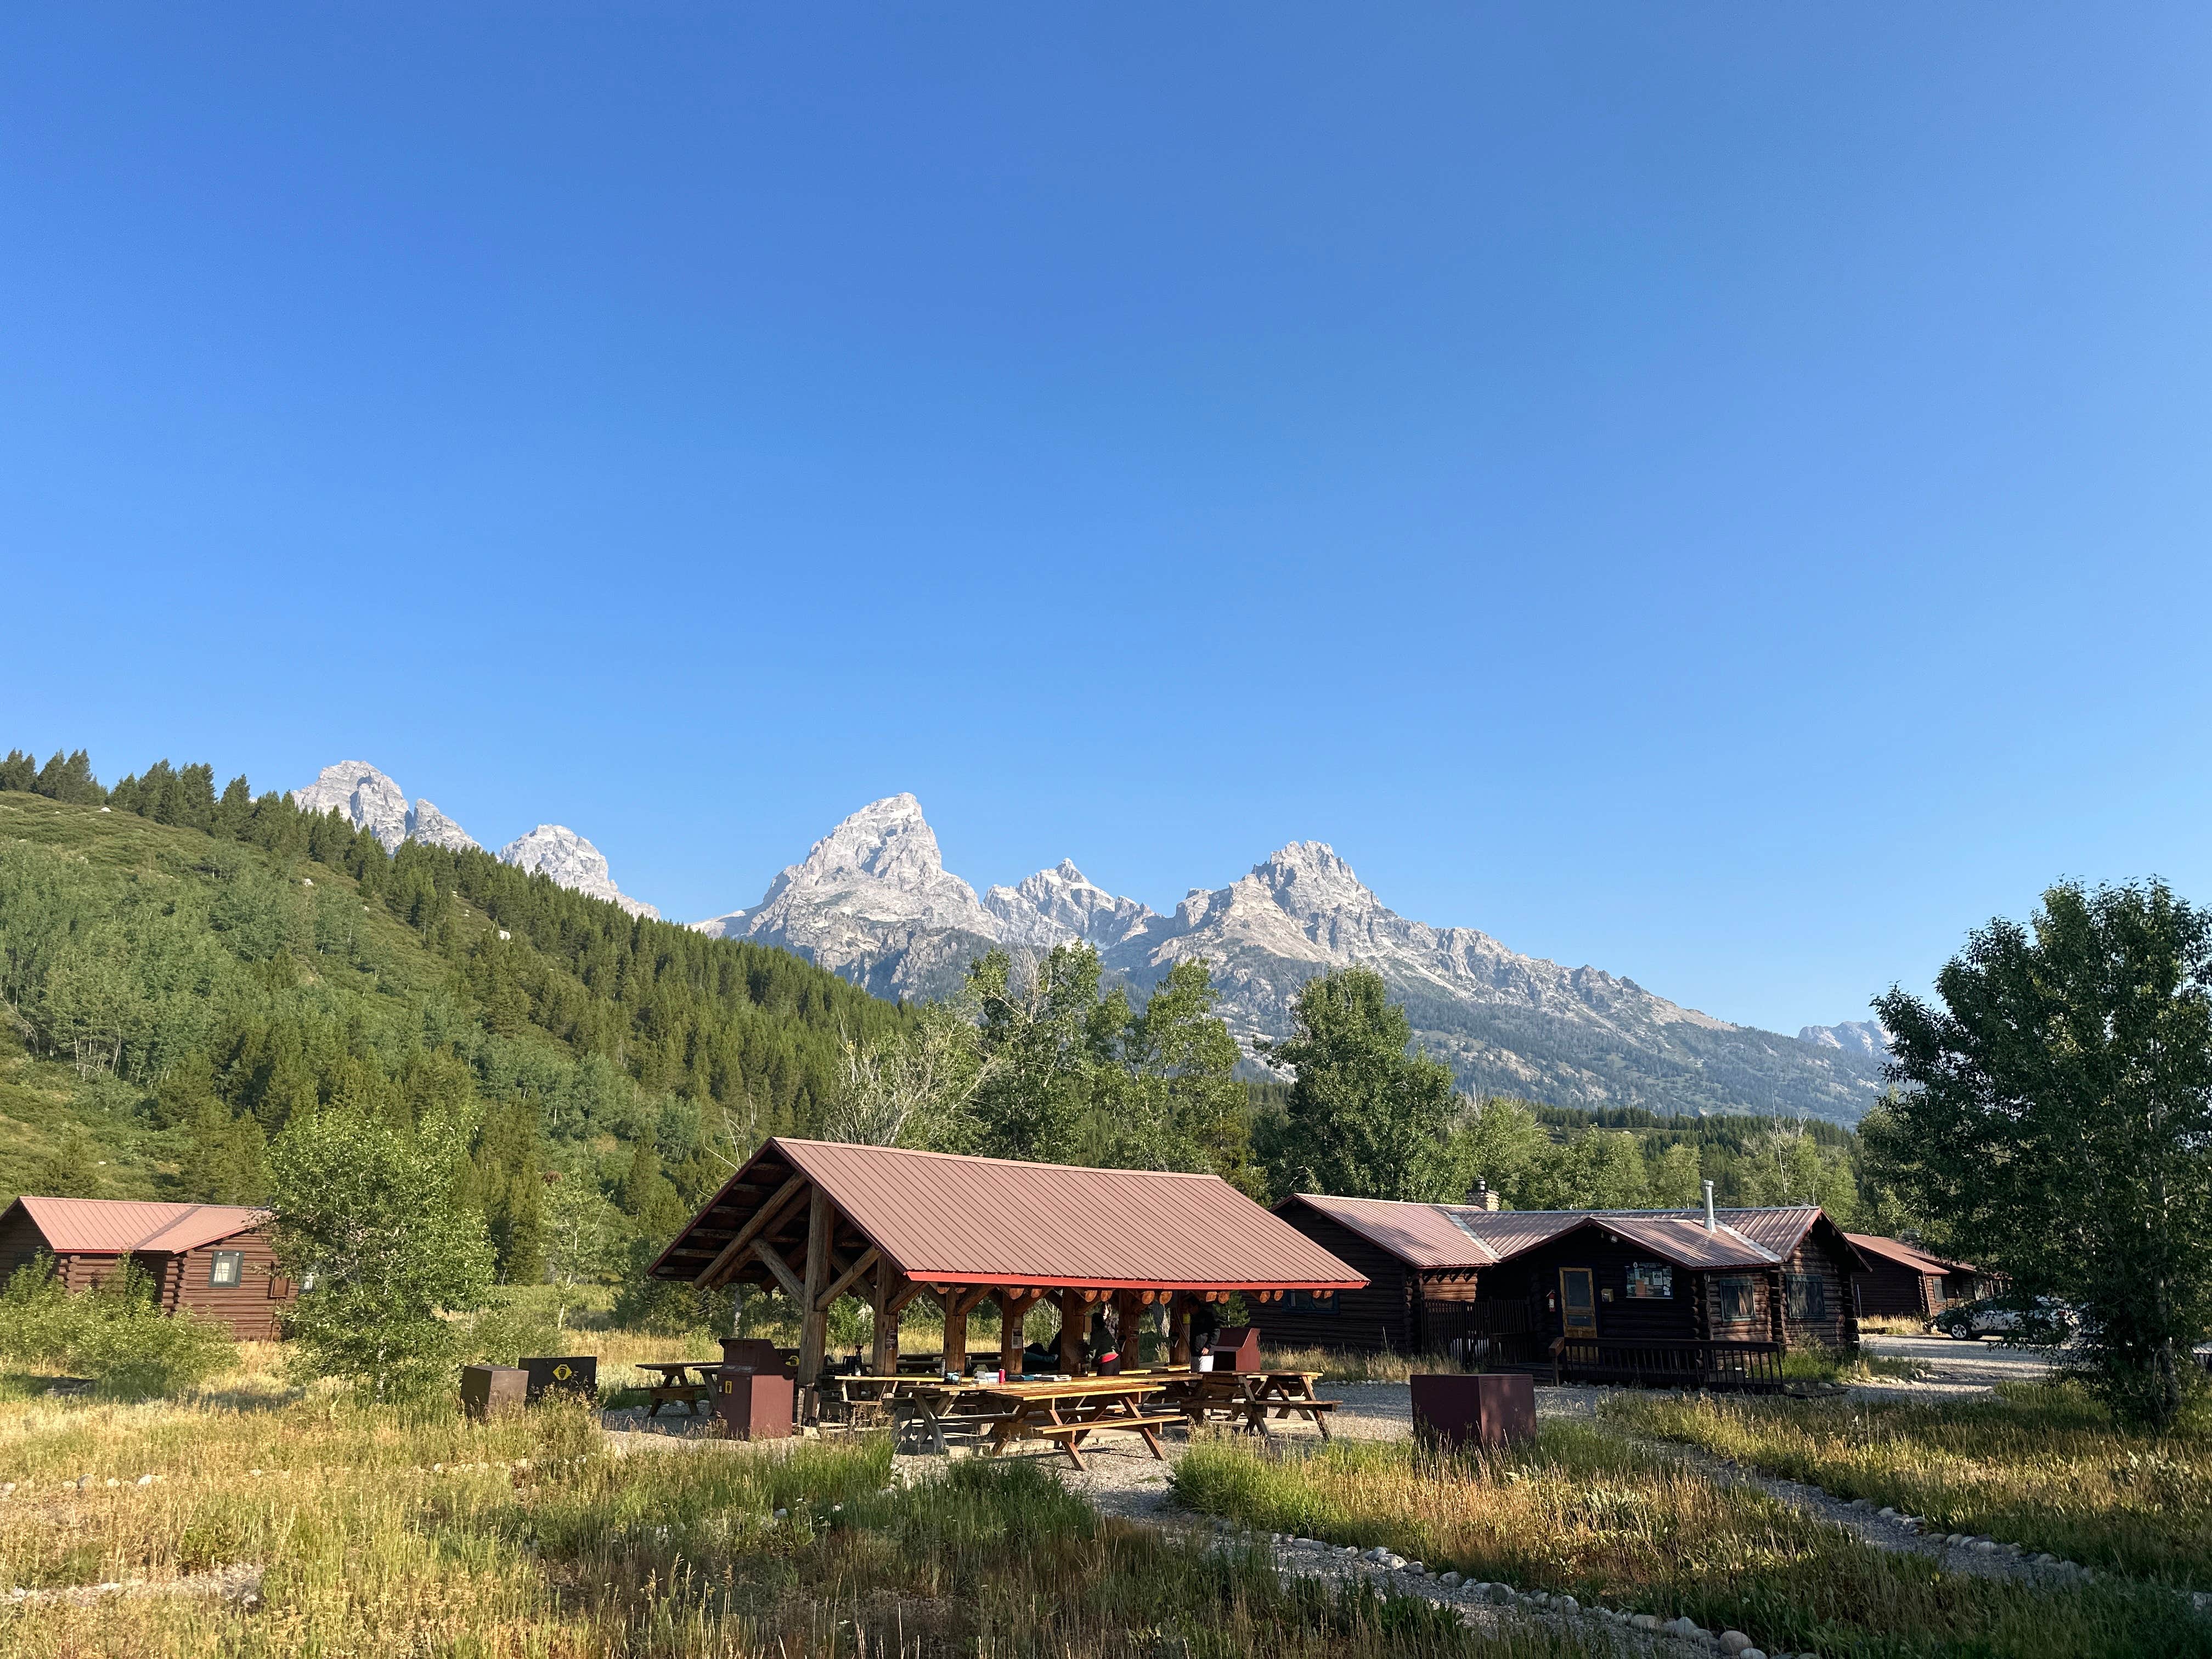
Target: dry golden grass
[1584,1512]
[2040,1466]
[1340,1366]
[383,1531]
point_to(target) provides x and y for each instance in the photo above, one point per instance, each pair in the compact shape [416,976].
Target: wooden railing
[1755,1366]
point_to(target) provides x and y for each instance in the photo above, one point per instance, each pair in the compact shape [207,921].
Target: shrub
[114,1334]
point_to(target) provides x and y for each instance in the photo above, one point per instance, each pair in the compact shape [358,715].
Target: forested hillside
[182,968]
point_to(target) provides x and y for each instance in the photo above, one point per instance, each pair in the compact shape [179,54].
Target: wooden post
[814,1322]
[1074,1310]
[884,1358]
[955,1302]
[1014,1308]
[1179,1331]
[1126,1338]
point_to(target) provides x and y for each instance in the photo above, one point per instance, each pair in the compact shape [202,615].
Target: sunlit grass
[378,1530]
[1339,1366]
[2039,1465]
[1581,1512]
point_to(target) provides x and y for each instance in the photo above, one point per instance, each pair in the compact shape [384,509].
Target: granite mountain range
[872,901]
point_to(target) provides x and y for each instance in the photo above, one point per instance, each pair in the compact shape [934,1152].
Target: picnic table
[921,1408]
[677,1386]
[1068,1413]
[1251,1395]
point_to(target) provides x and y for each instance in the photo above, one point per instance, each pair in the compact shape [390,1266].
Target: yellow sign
[561,1373]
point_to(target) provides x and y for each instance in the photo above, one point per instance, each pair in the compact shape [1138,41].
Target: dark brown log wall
[1379,1319]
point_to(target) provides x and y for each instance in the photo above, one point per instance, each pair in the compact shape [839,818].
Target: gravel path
[1953,1370]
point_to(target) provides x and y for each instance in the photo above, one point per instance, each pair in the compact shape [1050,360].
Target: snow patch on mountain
[1870,1037]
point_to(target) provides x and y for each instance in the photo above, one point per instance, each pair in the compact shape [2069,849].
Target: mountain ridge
[872,901]
[369,800]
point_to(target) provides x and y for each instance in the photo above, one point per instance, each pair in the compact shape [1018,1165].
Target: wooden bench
[1313,1411]
[1148,1425]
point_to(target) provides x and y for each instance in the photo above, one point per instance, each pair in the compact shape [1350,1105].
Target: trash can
[753,1405]
[1453,1410]
[493,1390]
[573,1373]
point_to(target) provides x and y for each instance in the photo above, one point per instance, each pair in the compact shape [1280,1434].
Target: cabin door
[1577,1302]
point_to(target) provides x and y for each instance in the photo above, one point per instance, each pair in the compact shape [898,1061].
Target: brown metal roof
[1440,1236]
[107,1226]
[1903,1254]
[946,1219]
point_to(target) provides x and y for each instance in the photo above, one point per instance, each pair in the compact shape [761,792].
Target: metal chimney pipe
[1712,1222]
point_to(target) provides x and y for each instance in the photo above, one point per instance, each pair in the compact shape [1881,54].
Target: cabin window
[1650,1281]
[1735,1300]
[1306,1302]
[226,1269]
[1808,1296]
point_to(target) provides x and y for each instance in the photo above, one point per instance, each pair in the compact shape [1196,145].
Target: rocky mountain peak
[1310,881]
[887,841]
[426,823]
[872,901]
[554,850]
[1062,903]
[371,800]
[368,798]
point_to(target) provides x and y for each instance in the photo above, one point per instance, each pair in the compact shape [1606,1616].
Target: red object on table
[1452,1410]
[1236,1348]
[753,1405]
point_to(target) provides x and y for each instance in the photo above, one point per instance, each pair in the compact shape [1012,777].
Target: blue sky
[1716,492]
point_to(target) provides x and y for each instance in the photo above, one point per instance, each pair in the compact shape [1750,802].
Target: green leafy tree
[1501,1143]
[1045,1035]
[587,1239]
[1677,1182]
[371,1214]
[913,1088]
[1364,1118]
[1178,1104]
[2057,1113]
[1788,1166]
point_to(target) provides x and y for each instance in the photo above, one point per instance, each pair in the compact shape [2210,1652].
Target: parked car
[2033,1321]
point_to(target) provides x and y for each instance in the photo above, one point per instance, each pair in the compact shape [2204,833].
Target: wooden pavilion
[823,1219]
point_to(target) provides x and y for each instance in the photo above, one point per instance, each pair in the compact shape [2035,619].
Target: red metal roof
[947,1220]
[1459,1235]
[107,1226]
[1899,1251]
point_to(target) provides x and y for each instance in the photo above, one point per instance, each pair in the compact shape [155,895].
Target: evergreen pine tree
[71,1169]
[196,797]
[19,771]
[234,811]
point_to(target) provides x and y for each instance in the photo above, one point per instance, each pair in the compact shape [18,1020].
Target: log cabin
[1904,1281]
[1698,1296]
[215,1259]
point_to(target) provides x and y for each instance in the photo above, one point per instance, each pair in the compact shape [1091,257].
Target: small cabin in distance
[1904,1281]
[215,1259]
